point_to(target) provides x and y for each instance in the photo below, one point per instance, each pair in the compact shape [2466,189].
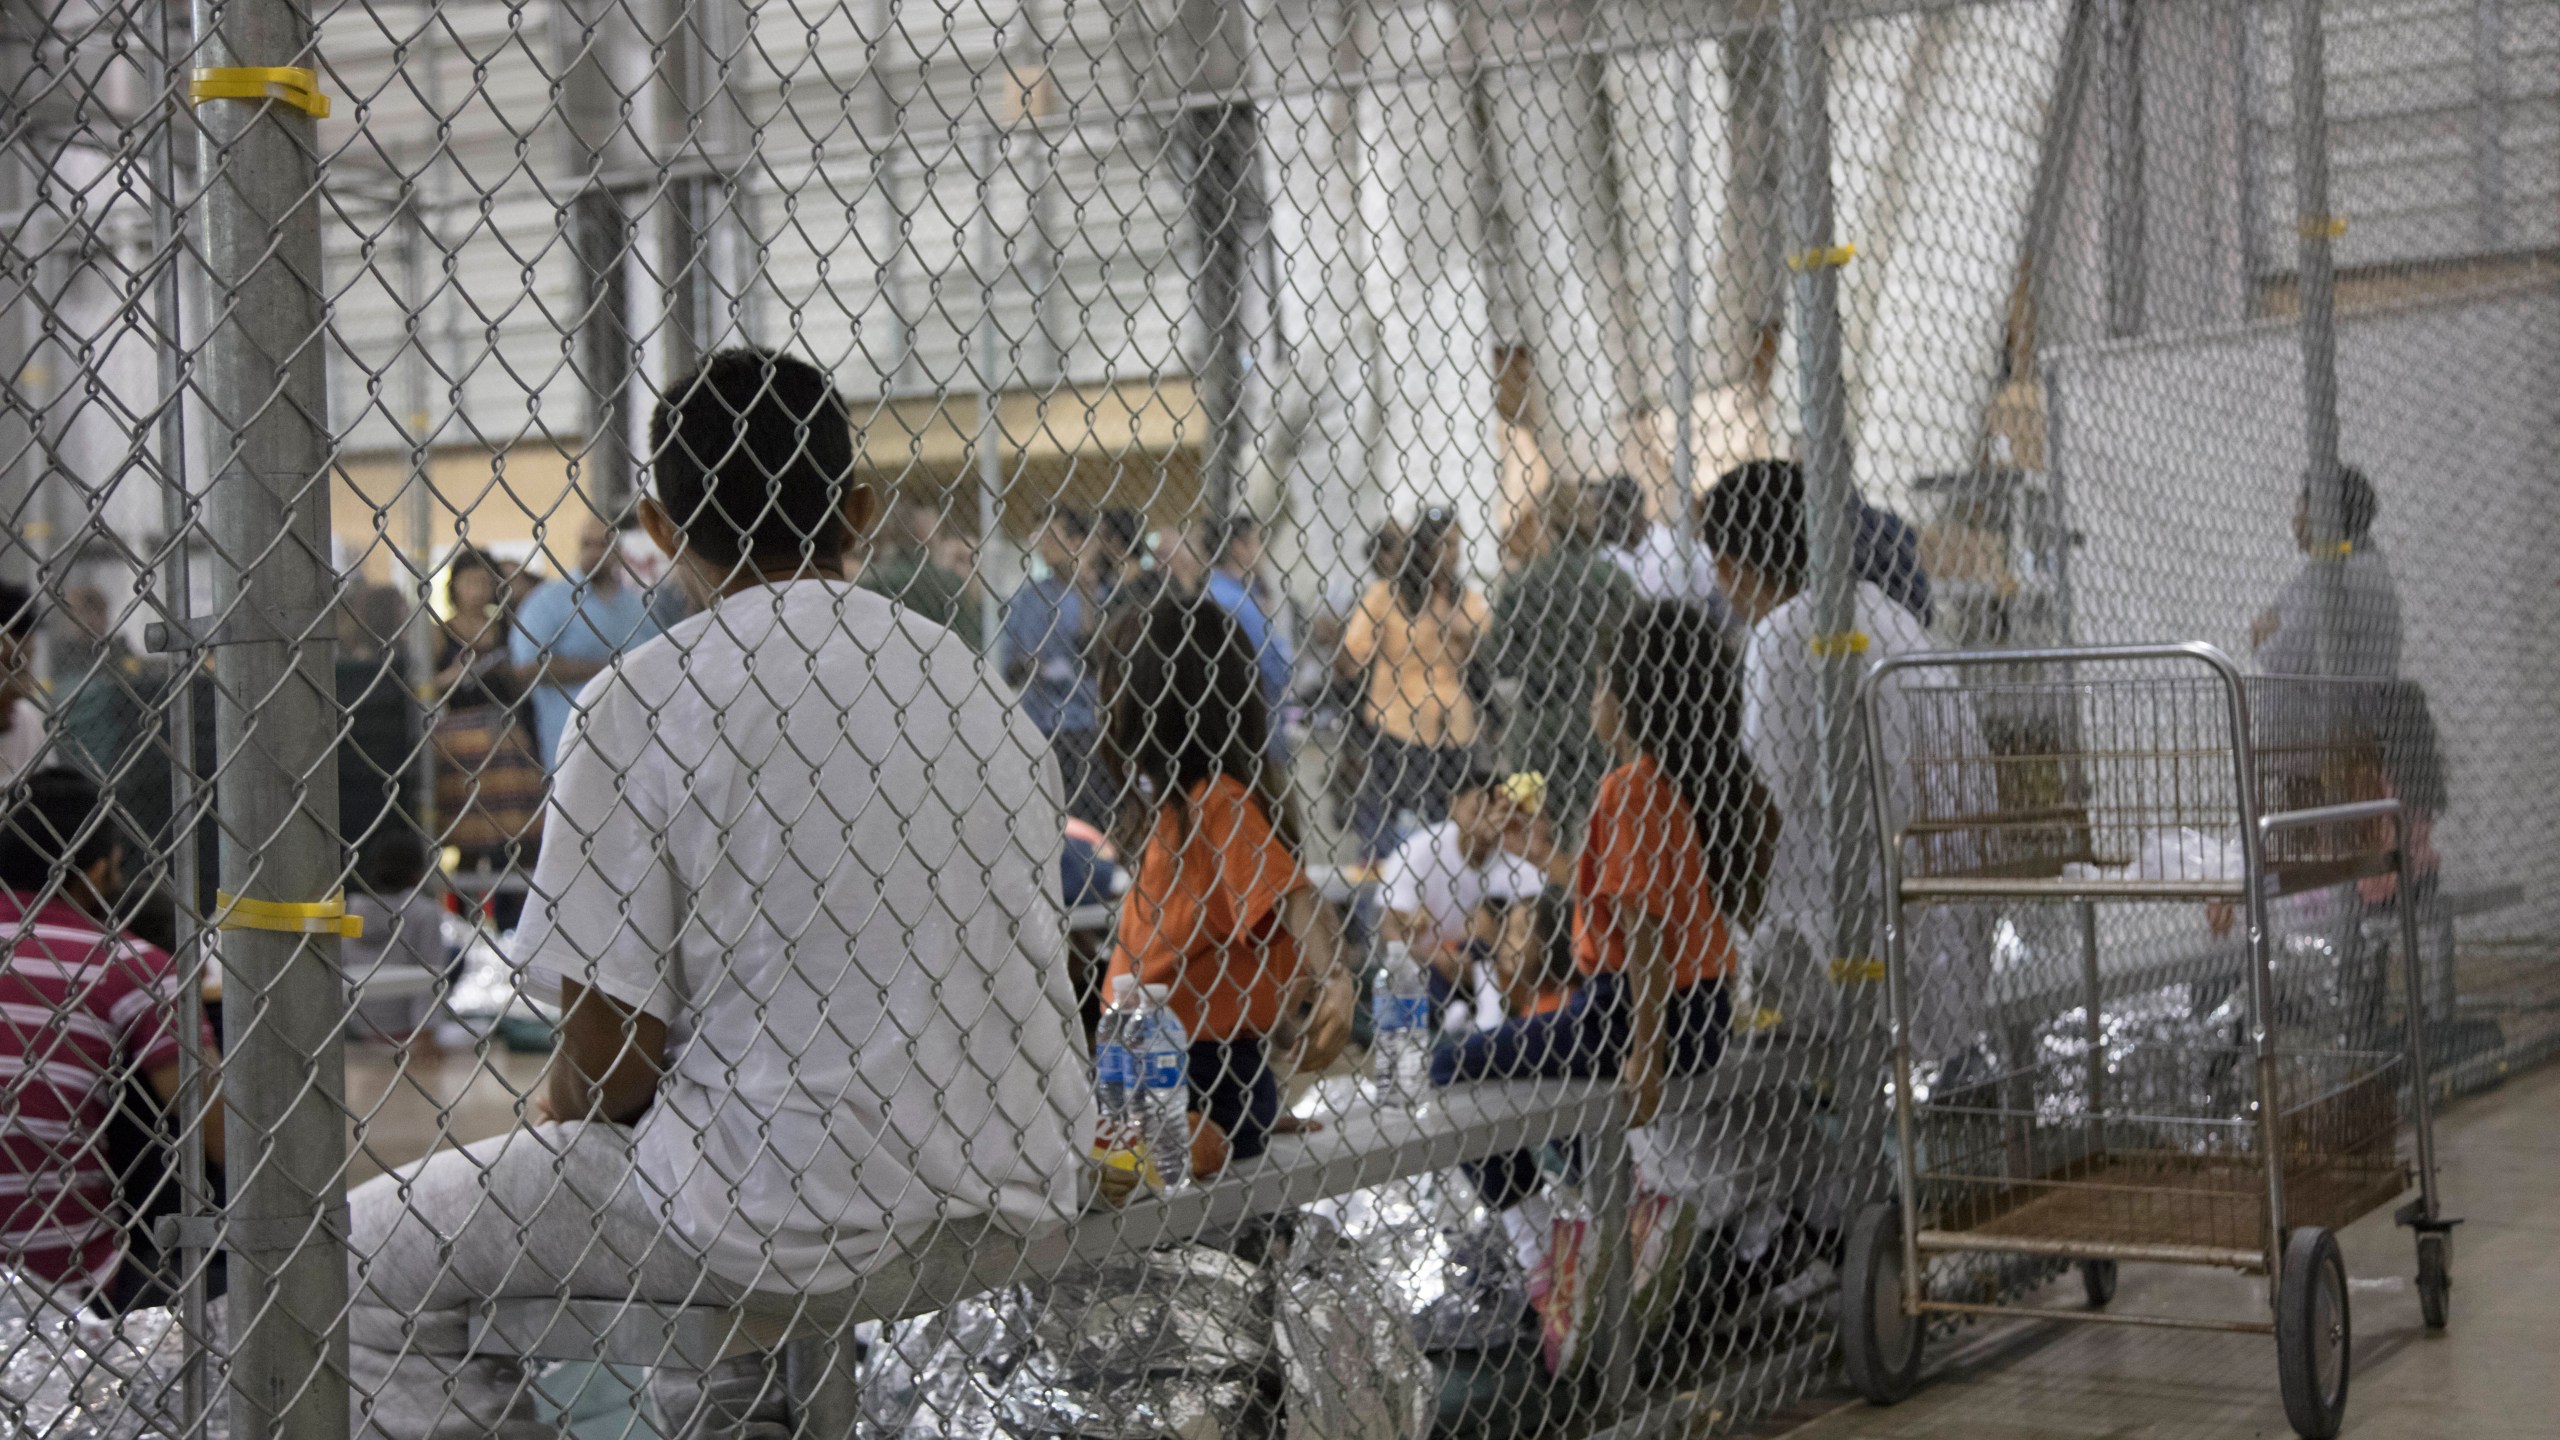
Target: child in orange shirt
[1675,852]
[1220,909]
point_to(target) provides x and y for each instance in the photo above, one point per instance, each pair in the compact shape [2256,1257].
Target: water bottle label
[1401,1012]
[1164,1069]
[1114,1065]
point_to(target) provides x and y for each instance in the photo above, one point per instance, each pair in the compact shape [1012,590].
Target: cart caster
[1878,1342]
[2098,1278]
[2435,1276]
[2312,1333]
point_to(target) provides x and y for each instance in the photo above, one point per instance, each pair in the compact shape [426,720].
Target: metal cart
[2146,774]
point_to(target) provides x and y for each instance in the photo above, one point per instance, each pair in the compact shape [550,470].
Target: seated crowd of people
[797,898]
[796,879]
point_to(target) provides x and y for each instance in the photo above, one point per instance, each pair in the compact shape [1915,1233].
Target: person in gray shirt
[2286,638]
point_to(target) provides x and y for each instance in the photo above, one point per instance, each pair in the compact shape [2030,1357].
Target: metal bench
[1353,1152]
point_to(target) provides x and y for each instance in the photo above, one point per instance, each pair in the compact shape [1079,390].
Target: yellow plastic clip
[1832,257]
[325,917]
[2323,227]
[2346,547]
[1853,642]
[294,85]
[1854,968]
[1759,1020]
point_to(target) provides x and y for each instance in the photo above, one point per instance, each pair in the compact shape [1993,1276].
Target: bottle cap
[1159,994]
[1124,991]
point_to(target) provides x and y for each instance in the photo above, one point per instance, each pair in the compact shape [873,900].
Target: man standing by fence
[572,629]
[2286,637]
[1232,546]
[1753,522]
[1049,626]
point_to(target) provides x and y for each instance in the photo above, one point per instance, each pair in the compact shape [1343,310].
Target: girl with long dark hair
[1674,856]
[1220,909]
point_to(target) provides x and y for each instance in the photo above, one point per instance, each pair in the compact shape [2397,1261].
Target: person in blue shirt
[1233,548]
[572,629]
[1049,626]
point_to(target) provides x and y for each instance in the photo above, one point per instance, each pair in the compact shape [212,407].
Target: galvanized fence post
[266,516]
[187,1255]
[1816,255]
[21,415]
[2316,285]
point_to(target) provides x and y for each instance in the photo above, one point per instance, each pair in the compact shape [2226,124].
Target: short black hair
[18,611]
[467,559]
[753,455]
[1755,516]
[1219,535]
[1621,519]
[57,822]
[393,861]
[2357,503]
[1075,522]
[1385,540]
[1121,527]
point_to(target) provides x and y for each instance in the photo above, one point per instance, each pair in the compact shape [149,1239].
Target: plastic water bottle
[1122,1141]
[1401,1049]
[1164,1077]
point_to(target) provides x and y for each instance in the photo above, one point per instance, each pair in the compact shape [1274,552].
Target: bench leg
[745,1397]
[818,1371]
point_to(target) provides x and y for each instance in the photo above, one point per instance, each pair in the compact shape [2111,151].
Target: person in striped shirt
[84,1008]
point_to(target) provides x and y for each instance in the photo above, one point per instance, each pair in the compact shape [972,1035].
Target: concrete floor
[2494,1375]
[406,1104]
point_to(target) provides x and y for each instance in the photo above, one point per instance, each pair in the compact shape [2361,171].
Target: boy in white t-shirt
[798,898]
[1463,895]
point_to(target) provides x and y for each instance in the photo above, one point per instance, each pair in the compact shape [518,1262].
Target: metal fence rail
[460,461]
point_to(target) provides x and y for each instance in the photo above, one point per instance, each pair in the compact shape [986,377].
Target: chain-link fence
[638,633]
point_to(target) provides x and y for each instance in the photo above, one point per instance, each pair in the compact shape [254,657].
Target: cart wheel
[2312,1333]
[1879,1343]
[2435,1276]
[2098,1278]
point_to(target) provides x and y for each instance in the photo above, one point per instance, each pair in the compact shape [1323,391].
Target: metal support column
[2489,121]
[594,141]
[416,383]
[185,879]
[990,435]
[2127,200]
[1754,291]
[21,457]
[2317,279]
[699,235]
[1684,288]
[266,511]
[1220,146]
[2061,141]
[1817,255]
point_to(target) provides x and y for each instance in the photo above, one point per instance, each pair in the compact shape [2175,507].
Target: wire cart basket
[2144,774]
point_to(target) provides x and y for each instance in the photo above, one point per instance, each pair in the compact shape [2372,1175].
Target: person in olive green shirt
[903,568]
[1549,623]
